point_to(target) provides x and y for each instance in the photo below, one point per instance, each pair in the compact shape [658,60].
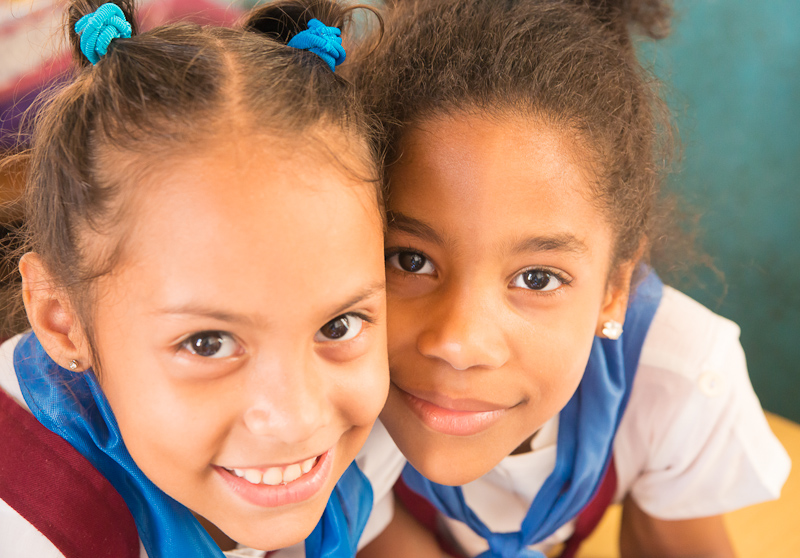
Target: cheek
[404,325]
[560,362]
[362,390]
[164,426]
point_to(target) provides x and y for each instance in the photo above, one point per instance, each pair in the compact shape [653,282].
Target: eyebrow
[367,292]
[403,223]
[564,242]
[192,309]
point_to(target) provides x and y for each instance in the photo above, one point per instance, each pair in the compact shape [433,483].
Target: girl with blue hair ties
[540,370]
[204,282]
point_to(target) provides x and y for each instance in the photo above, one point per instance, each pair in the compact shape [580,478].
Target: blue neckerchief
[73,406]
[586,431]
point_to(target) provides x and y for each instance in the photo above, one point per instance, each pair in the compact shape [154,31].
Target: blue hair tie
[324,41]
[99,28]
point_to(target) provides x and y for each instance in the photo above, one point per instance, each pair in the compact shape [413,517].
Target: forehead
[487,172]
[252,225]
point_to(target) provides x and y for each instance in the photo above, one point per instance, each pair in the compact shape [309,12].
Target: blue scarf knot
[509,545]
[324,41]
[99,28]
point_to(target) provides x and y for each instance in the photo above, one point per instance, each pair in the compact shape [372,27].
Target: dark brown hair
[164,92]
[568,64]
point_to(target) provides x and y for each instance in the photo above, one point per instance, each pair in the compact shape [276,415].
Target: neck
[223,540]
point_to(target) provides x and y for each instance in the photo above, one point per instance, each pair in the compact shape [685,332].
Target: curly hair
[570,64]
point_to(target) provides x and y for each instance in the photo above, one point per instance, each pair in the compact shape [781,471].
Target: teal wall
[732,68]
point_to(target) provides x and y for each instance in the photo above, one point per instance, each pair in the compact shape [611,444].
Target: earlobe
[612,316]
[52,316]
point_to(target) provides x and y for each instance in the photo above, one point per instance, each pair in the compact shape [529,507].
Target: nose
[287,403]
[464,329]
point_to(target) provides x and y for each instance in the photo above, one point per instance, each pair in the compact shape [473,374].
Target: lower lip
[299,490]
[448,421]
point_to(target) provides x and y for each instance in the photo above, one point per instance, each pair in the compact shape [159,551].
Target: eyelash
[364,320]
[391,252]
[183,344]
[562,277]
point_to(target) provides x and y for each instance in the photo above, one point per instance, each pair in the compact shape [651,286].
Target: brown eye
[210,344]
[411,262]
[341,328]
[537,280]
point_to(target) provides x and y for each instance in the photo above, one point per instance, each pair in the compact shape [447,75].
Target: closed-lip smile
[453,416]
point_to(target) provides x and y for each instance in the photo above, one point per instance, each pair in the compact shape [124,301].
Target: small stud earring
[73,364]
[612,329]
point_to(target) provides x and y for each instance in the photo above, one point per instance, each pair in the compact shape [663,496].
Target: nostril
[463,352]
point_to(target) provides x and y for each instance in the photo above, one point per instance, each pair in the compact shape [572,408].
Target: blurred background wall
[732,69]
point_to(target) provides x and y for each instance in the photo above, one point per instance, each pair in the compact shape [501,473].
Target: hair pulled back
[160,93]
[569,64]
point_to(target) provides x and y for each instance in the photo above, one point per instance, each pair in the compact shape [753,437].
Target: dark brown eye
[411,262]
[340,328]
[211,344]
[537,280]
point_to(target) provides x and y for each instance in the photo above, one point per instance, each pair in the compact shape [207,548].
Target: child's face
[497,266]
[243,334]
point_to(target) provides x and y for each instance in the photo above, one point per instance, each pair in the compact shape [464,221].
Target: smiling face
[497,266]
[242,336]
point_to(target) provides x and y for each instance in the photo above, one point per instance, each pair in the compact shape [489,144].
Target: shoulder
[18,538]
[685,337]
[381,462]
[694,440]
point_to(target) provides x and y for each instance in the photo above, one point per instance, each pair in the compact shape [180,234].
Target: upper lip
[269,466]
[461,404]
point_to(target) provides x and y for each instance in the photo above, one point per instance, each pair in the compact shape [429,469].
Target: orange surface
[769,529]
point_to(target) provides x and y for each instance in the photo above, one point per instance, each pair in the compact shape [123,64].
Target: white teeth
[273,476]
[292,472]
[252,476]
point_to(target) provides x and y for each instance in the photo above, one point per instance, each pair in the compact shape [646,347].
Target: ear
[52,315]
[618,291]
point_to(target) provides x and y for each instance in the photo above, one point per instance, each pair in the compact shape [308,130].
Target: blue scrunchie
[324,41]
[99,28]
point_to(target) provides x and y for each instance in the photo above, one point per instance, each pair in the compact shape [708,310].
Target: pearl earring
[612,329]
[73,364]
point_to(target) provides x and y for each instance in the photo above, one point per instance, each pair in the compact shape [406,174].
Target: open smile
[456,417]
[279,485]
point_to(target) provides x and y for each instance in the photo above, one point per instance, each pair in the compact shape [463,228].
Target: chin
[450,477]
[447,461]
[272,536]
[274,531]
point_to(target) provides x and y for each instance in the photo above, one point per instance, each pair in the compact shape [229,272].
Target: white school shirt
[693,441]
[379,460]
